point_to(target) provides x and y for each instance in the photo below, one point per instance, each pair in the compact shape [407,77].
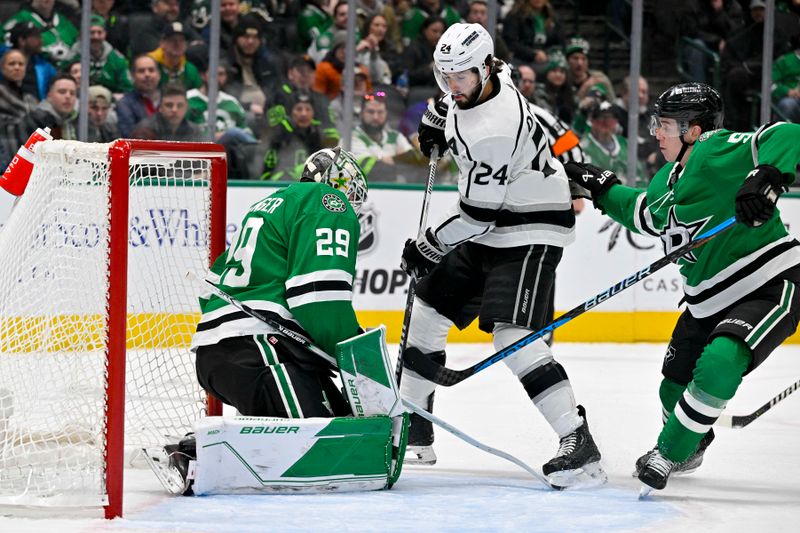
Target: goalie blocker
[243,455]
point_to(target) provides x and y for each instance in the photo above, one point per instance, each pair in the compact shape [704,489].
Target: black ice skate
[684,467]
[173,465]
[420,442]
[655,473]
[577,459]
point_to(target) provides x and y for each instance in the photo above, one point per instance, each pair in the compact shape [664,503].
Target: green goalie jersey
[680,204]
[294,259]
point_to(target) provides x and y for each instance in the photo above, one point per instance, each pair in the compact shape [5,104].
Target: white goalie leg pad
[428,333]
[556,402]
[367,374]
[250,455]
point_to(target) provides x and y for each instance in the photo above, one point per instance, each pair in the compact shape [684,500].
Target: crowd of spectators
[281,66]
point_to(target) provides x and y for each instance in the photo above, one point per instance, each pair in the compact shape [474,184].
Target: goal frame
[119,154]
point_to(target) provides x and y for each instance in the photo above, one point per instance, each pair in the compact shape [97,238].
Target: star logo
[677,233]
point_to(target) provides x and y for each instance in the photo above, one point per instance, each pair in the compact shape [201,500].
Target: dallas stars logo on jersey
[333,203]
[676,234]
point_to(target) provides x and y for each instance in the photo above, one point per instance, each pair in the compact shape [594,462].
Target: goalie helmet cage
[96,313]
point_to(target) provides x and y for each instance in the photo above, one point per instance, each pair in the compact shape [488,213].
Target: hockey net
[97,313]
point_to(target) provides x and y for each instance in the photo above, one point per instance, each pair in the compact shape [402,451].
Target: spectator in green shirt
[786,83]
[171,58]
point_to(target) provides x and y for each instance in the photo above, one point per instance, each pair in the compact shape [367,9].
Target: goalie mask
[463,48]
[337,167]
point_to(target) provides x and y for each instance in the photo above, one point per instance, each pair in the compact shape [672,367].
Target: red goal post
[96,313]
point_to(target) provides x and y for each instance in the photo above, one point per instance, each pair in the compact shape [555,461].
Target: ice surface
[749,480]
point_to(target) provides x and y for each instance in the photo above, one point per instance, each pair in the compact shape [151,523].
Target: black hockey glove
[419,257]
[591,178]
[756,199]
[431,128]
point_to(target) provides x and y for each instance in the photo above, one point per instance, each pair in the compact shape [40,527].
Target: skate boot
[577,459]
[655,473]
[173,465]
[684,467]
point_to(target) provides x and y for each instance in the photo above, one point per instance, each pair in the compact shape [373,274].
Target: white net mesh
[53,295]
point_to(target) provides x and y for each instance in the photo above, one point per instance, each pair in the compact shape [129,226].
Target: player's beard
[471,98]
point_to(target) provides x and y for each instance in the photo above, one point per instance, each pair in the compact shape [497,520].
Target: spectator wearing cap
[361,86]
[415,18]
[530,28]
[143,100]
[15,103]
[383,152]
[57,112]
[418,56]
[148,27]
[602,146]
[107,66]
[169,122]
[116,25]
[255,71]
[312,21]
[577,52]
[558,88]
[300,76]
[101,128]
[291,142]
[57,32]
[328,77]
[319,48]
[27,38]
[171,58]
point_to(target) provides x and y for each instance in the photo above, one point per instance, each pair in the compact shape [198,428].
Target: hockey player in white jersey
[494,255]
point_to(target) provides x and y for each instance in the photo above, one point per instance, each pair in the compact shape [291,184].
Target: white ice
[749,481]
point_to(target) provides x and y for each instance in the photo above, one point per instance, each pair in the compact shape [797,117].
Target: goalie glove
[592,179]
[420,256]
[431,128]
[756,199]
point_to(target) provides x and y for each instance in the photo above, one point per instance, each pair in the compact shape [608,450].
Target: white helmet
[462,47]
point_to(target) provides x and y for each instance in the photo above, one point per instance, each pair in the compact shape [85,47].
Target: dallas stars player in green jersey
[293,259]
[740,288]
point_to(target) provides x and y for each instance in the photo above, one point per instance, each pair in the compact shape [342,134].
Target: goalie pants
[261,375]
[707,359]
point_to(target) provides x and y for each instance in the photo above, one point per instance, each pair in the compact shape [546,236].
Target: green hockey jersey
[293,259]
[680,203]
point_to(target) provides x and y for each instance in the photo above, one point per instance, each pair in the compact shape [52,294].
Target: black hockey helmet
[690,103]
[338,168]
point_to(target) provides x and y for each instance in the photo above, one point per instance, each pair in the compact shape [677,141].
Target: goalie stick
[441,375]
[740,421]
[412,285]
[412,407]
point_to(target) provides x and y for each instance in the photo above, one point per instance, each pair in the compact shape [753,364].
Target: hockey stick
[740,421]
[441,375]
[469,440]
[416,409]
[412,285]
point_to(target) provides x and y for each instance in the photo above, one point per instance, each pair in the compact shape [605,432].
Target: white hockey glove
[431,128]
[420,256]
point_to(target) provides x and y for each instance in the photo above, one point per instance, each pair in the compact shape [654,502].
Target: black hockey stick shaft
[442,375]
[412,285]
[740,421]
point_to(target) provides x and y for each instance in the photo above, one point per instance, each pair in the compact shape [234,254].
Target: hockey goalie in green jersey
[740,289]
[291,267]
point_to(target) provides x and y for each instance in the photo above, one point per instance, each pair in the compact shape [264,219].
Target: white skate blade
[420,455]
[589,475]
[158,462]
[644,492]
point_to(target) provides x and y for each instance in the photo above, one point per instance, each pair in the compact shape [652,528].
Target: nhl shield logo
[368,218]
[333,203]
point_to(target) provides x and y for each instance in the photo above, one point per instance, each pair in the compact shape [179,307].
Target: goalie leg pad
[249,455]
